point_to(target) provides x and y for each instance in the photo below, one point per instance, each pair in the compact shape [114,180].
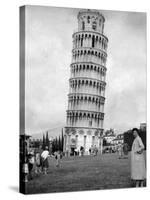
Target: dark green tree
[43,143]
[53,146]
[56,144]
[47,140]
[104,142]
[59,143]
[128,137]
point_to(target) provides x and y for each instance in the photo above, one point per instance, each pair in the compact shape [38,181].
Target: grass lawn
[83,173]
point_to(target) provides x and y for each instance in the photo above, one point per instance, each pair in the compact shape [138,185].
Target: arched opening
[93,41]
[81,41]
[94,24]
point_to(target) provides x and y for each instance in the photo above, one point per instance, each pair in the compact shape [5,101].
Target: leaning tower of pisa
[86,98]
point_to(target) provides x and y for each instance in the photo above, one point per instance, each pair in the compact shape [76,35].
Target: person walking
[138,168]
[44,156]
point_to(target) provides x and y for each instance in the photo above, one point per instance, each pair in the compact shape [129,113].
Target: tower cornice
[88,63]
[89,31]
[86,78]
[89,48]
[87,111]
[87,94]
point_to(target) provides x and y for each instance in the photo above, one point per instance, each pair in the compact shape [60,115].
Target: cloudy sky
[48,57]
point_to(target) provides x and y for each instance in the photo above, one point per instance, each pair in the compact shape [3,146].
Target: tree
[47,140]
[56,144]
[128,137]
[53,146]
[59,143]
[44,142]
[104,142]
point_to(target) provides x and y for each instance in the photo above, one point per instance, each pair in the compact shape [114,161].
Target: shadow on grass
[14,188]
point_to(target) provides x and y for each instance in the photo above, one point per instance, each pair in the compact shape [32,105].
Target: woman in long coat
[138,171]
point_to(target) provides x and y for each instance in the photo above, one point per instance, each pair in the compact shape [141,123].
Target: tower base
[81,140]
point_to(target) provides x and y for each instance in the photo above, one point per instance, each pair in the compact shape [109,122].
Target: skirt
[45,163]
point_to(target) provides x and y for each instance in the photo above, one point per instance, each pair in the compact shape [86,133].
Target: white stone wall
[91,139]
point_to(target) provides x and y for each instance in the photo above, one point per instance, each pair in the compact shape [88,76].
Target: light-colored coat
[138,170]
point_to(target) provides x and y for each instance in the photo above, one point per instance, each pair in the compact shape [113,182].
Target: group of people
[93,150]
[38,162]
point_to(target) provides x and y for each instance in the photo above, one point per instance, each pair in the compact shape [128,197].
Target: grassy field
[83,173]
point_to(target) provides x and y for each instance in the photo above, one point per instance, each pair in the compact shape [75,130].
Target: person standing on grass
[58,156]
[31,162]
[38,160]
[138,168]
[90,151]
[44,158]
[82,150]
[95,150]
[37,163]
[125,150]
[120,150]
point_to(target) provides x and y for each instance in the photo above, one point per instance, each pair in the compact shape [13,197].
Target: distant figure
[44,156]
[78,151]
[138,169]
[75,152]
[120,151]
[125,150]
[58,156]
[31,161]
[82,150]
[90,151]
[38,161]
[95,150]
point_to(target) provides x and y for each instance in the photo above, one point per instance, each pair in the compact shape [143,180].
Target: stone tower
[86,98]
